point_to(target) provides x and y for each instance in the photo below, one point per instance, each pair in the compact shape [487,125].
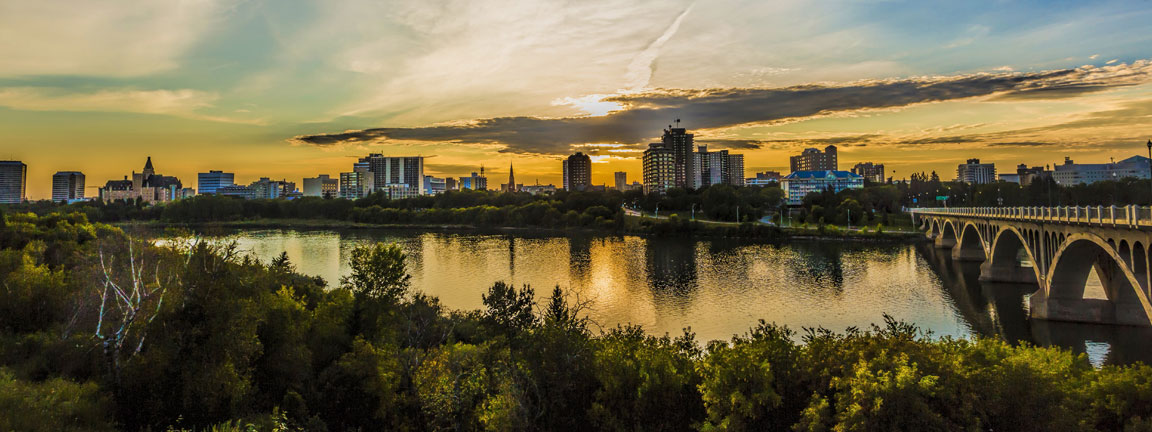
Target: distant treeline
[100,331]
[486,208]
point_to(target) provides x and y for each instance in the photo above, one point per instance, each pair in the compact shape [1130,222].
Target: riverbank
[632,226]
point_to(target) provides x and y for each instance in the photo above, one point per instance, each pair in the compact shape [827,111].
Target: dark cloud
[644,114]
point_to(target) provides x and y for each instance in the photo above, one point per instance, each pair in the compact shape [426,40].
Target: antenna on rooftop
[677,122]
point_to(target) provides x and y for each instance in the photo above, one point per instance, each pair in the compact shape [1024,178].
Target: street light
[1150,160]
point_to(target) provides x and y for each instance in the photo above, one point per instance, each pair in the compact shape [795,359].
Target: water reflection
[1001,310]
[716,287]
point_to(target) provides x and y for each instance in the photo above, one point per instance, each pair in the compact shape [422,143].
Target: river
[717,287]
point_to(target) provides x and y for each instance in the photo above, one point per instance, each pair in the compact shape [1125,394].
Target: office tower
[621,181]
[321,186]
[974,172]
[209,182]
[735,169]
[870,171]
[814,160]
[716,167]
[389,170]
[659,169]
[67,186]
[451,184]
[1025,175]
[679,142]
[356,184]
[577,172]
[13,182]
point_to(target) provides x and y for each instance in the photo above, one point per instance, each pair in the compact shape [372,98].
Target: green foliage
[53,405]
[510,309]
[241,345]
[378,272]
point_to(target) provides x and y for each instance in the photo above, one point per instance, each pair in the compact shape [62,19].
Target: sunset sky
[292,89]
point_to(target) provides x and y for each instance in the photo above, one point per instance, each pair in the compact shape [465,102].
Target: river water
[718,287]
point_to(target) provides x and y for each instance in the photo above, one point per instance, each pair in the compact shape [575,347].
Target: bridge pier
[943,242]
[1011,273]
[968,254]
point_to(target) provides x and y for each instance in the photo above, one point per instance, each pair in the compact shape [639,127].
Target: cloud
[180,103]
[641,69]
[120,39]
[643,113]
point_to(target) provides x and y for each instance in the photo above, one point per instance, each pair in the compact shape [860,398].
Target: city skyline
[303,89]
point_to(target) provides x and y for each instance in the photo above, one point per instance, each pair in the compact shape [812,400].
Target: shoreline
[706,232]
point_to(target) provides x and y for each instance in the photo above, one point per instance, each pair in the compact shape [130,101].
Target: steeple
[511,178]
[148,167]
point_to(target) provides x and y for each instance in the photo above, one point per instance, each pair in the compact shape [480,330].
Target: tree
[378,272]
[510,309]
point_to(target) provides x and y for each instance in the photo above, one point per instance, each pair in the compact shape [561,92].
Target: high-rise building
[389,170]
[208,182]
[67,186]
[974,172]
[659,169]
[451,184]
[13,182]
[814,160]
[577,172]
[736,169]
[321,186]
[680,143]
[716,167]
[621,181]
[870,171]
[356,184]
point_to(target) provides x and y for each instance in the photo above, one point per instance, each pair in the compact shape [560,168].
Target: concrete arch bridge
[1058,249]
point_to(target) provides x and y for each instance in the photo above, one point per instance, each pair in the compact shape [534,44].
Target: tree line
[102,331]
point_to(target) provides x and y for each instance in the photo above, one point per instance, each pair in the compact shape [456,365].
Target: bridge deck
[1113,216]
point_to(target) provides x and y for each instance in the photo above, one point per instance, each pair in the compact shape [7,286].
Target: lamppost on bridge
[1150,161]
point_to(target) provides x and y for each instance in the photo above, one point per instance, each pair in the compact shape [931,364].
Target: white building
[799,184]
[974,172]
[1073,173]
[321,186]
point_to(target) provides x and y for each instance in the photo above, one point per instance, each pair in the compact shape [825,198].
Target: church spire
[511,178]
[148,167]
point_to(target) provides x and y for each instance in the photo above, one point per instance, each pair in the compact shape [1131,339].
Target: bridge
[1057,249]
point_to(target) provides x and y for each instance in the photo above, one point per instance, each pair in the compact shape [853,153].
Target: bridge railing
[1130,216]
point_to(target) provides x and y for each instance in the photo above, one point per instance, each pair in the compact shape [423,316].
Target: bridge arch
[948,236]
[1072,263]
[970,246]
[1004,261]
